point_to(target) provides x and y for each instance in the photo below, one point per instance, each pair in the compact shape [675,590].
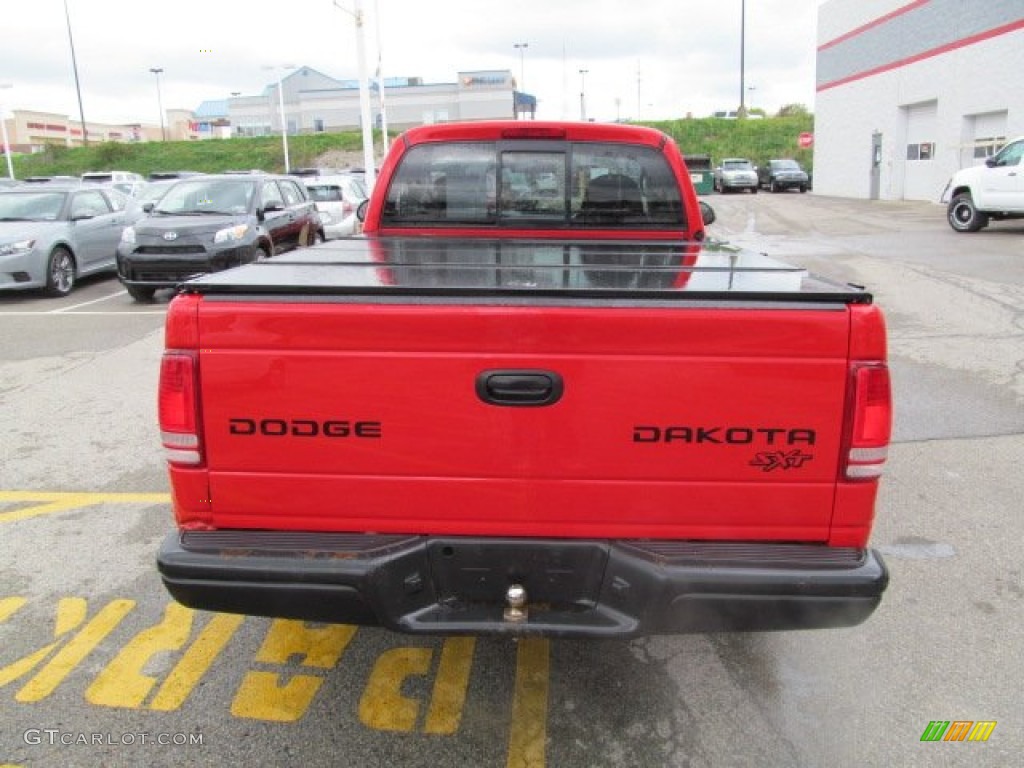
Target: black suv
[780,175]
[209,223]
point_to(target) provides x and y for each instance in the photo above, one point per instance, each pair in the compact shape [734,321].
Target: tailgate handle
[519,387]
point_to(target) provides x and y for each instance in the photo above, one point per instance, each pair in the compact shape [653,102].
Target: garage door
[920,170]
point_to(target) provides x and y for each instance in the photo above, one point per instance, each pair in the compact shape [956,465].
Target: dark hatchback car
[780,175]
[209,223]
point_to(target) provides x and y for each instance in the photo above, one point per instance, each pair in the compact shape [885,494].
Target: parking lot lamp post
[78,86]
[521,47]
[742,112]
[159,102]
[7,144]
[380,82]
[364,92]
[280,107]
[583,94]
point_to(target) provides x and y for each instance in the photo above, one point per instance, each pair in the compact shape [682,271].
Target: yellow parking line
[528,732]
[49,503]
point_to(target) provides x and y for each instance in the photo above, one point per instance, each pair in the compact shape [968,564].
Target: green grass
[211,156]
[758,140]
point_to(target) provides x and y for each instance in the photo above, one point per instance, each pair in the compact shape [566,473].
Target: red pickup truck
[532,399]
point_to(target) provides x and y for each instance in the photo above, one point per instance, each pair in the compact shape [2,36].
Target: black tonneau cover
[507,268]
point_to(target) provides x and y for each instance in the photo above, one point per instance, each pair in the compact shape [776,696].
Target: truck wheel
[140,293]
[803,188]
[753,190]
[963,216]
[60,272]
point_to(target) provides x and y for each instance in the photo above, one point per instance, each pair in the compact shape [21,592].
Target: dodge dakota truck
[533,398]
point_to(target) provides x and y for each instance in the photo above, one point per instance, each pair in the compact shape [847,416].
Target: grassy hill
[758,140]
[210,156]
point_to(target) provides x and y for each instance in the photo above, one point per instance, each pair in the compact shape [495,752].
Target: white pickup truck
[994,190]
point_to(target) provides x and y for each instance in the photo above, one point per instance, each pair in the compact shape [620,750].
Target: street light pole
[7,143]
[78,87]
[583,94]
[280,106]
[284,123]
[380,82]
[364,92]
[159,102]
[743,47]
[521,47]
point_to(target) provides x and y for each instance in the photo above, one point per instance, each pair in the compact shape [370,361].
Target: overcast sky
[654,58]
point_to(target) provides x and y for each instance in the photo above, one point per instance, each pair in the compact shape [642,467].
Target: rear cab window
[534,185]
[324,193]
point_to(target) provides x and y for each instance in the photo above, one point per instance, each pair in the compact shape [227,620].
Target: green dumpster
[701,173]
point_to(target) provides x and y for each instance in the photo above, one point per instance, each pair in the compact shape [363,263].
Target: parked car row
[209,223]
[50,235]
[182,224]
[738,174]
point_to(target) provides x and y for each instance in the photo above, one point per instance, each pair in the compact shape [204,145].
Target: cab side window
[1011,154]
[291,192]
[88,205]
[272,195]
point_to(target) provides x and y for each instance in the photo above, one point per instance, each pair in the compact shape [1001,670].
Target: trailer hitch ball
[515,603]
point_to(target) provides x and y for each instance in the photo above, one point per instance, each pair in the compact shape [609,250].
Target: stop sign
[805,140]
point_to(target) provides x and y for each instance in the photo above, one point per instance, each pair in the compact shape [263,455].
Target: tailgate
[682,422]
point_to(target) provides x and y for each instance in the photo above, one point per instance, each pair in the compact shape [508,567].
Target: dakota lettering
[739,436]
[723,435]
[705,435]
[646,434]
[805,436]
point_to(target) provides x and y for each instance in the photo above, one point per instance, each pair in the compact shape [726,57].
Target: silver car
[735,173]
[337,198]
[52,234]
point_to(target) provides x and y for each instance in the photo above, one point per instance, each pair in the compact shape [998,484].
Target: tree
[793,110]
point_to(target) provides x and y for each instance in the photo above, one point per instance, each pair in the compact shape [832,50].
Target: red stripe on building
[872,24]
[962,43]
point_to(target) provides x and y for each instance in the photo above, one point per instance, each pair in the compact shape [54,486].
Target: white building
[909,91]
[314,102]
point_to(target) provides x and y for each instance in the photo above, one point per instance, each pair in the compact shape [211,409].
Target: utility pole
[380,82]
[583,94]
[159,102]
[78,87]
[364,92]
[280,106]
[7,143]
[521,47]
[742,113]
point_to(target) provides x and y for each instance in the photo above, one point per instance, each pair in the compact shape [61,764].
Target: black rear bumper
[574,588]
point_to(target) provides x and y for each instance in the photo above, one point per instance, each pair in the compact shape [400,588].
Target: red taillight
[870,421]
[178,408]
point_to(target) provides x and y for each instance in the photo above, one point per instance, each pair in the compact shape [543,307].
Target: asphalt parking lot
[99,667]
